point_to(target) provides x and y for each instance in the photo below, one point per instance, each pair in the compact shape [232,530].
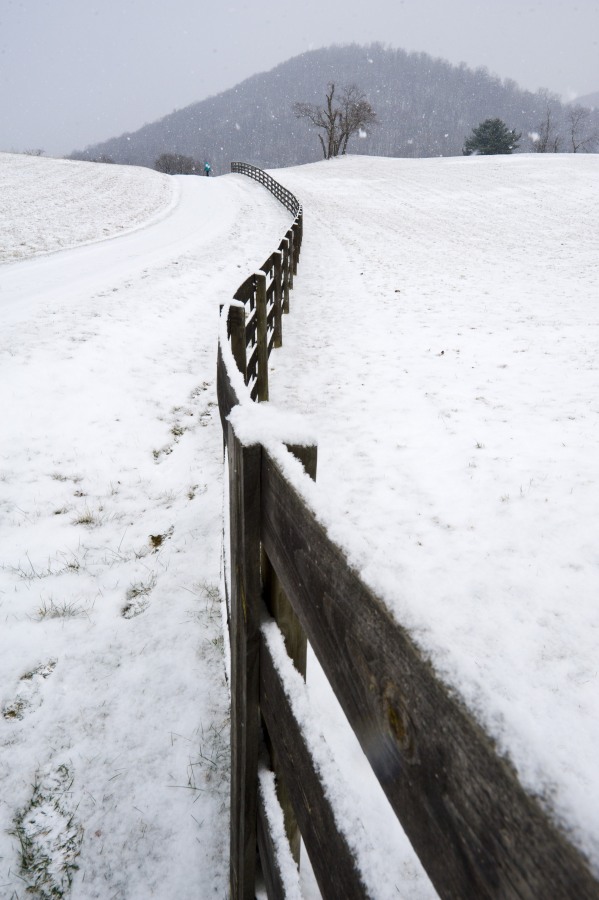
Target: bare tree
[546,139]
[324,118]
[339,118]
[582,135]
[34,152]
[177,164]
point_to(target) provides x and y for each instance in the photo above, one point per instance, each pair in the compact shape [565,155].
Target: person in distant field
[207,169]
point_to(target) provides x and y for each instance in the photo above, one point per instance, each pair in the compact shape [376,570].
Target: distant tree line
[85,156]
[424,107]
[575,132]
[577,135]
[338,118]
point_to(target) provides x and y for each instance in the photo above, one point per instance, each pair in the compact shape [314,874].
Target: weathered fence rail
[477,832]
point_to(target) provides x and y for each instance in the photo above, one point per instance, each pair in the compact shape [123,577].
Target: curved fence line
[288,199]
[476,831]
[254,320]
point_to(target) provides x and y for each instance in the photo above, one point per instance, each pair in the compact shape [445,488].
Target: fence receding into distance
[476,831]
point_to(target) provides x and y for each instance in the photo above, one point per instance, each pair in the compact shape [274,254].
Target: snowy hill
[425,107]
[50,205]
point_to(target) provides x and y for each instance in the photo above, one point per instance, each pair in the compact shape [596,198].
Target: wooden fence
[476,831]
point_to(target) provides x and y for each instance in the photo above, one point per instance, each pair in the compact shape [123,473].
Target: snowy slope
[443,344]
[114,724]
[48,205]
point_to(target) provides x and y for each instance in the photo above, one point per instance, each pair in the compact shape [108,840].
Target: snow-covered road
[201,214]
[112,692]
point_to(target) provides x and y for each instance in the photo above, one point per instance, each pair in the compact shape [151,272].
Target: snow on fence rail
[475,830]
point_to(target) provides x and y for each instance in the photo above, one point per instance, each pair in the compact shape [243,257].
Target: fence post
[285,251]
[278,298]
[244,494]
[261,337]
[291,238]
[236,328]
[295,228]
[296,645]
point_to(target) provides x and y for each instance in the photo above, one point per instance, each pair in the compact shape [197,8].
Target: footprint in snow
[29,695]
[138,598]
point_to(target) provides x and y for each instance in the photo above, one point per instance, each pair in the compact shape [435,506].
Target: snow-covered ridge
[54,204]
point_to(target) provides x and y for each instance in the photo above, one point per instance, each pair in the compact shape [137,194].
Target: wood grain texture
[236,329]
[332,860]
[251,326]
[252,364]
[296,245]
[244,494]
[245,290]
[262,337]
[291,271]
[227,397]
[278,298]
[284,247]
[476,831]
[296,645]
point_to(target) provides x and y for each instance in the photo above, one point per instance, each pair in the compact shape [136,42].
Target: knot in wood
[399,722]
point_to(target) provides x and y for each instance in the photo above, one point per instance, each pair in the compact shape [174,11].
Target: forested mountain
[425,107]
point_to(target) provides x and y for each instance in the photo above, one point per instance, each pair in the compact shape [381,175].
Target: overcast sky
[75,72]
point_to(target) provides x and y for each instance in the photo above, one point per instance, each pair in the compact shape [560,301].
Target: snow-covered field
[442,344]
[114,724]
[76,204]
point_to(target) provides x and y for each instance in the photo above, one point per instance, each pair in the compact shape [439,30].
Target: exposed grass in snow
[62,609]
[49,836]
[138,597]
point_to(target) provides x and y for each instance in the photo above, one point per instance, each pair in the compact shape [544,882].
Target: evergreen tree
[491,137]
